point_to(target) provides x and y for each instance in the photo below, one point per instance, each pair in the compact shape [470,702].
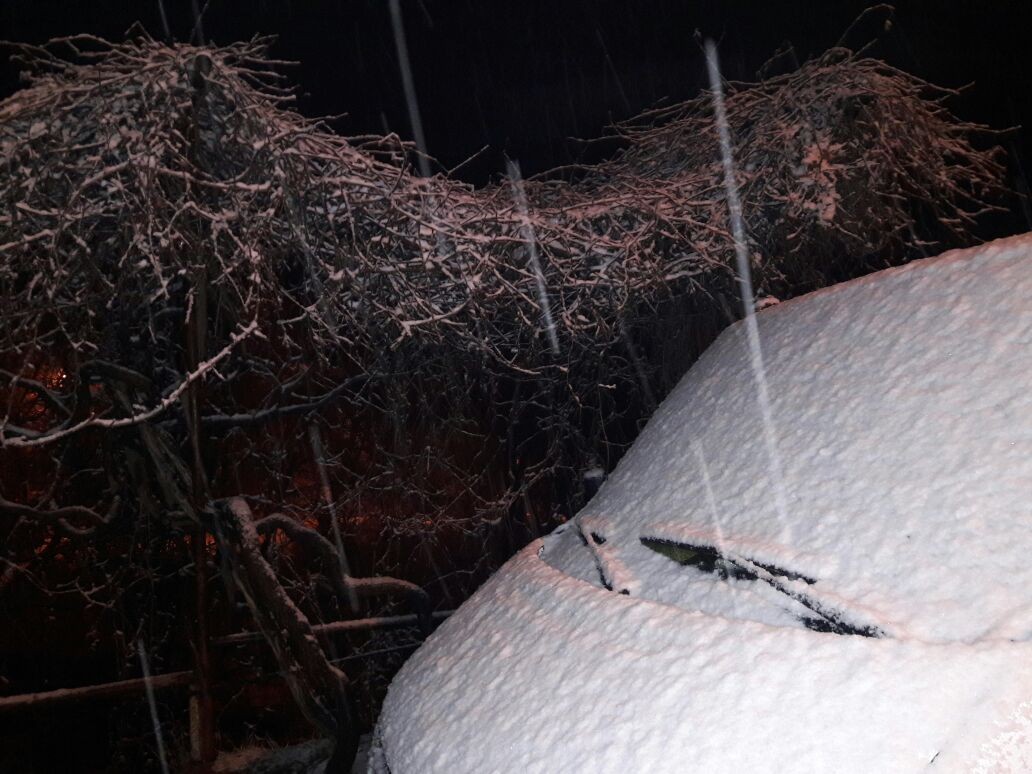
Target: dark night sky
[523,76]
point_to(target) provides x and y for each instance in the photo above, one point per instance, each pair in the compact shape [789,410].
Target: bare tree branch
[20,437]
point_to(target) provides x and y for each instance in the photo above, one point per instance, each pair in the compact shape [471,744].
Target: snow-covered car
[837,579]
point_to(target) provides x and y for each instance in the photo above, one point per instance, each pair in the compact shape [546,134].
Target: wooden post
[202,714]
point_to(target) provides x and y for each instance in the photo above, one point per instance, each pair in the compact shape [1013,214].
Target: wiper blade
[710,559]
[592,535]
[705,558]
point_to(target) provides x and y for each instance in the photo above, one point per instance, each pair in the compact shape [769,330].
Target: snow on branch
[119,206]
[21,437]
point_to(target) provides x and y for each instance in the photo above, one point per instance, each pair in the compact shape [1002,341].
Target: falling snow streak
[145,666]
[520,197]
[315,437]
[612,70]
[409,86]
[197,33]
[639,368]
[164,21]
[745,285]
[711,504]
[415,119]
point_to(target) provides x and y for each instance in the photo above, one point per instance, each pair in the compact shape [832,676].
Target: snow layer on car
[541,672]
[903,421]
[902,416]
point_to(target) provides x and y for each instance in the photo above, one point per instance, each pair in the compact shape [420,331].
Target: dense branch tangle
[136,173]
[127,178]
[172,235]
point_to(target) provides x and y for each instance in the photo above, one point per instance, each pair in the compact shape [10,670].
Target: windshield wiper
[710,559]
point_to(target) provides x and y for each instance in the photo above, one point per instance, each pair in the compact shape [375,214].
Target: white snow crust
[902,412]
[541,672]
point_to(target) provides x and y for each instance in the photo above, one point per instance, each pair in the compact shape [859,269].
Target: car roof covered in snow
[896,468]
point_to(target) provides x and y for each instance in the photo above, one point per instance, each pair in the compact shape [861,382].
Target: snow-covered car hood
[542,672]
[902,420]
[896,502]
